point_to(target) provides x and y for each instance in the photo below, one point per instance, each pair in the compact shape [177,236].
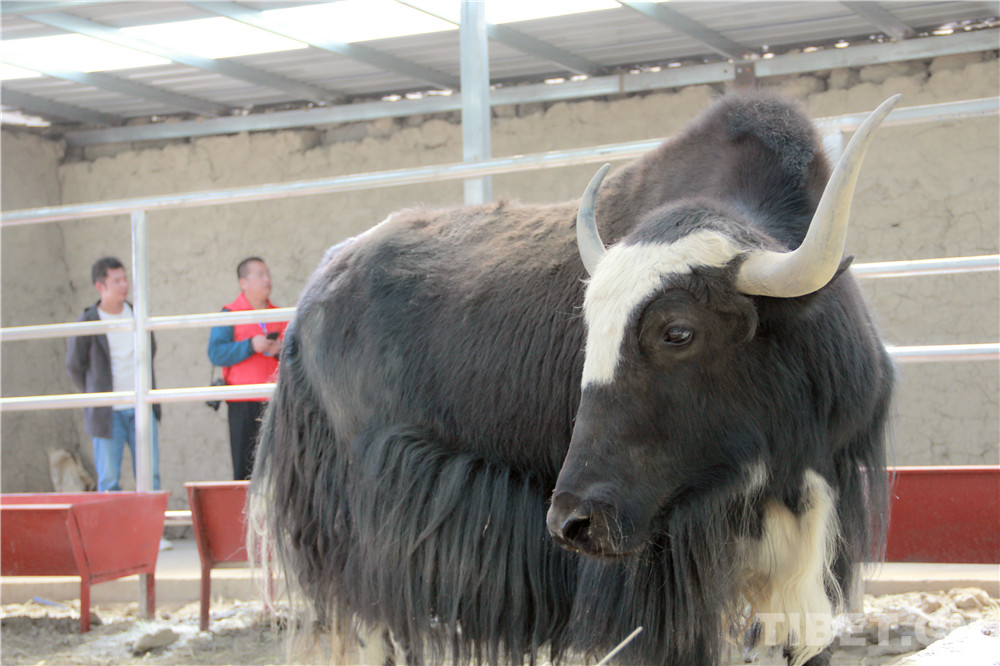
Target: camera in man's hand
[214,404]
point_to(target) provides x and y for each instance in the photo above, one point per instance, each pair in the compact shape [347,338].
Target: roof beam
[314,38]
[46,107]
[675,77]
[543,50]
[682,24]
[14,7]
[523,43]
[125,87]
[228,68]
[882,19]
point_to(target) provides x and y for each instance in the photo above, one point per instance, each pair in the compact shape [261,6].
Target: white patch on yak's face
[625,278]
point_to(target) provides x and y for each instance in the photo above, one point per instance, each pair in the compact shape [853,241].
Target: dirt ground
[40,633]
[37,633]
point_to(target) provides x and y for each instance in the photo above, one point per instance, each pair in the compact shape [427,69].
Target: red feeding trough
[945,514]
[220,526]
[96,536]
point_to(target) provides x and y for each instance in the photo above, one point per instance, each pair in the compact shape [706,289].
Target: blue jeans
[108,451]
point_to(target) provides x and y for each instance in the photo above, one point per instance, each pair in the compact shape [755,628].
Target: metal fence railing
[832,129]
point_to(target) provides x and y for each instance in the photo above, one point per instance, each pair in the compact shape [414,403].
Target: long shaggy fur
[427,393]
[451,552]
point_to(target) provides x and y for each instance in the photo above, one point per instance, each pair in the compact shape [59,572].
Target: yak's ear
[844,265]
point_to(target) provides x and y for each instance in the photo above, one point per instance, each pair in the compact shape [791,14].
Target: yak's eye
[678,335]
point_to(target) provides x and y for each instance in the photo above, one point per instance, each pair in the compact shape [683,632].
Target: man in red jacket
[248,354]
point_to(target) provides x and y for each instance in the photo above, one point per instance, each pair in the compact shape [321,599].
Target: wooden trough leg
[206,593]
[84,604]
[150,596]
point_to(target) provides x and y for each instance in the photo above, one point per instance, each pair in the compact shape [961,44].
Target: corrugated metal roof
[614,40]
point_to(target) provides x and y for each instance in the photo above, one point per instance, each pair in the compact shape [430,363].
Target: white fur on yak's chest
[786,573]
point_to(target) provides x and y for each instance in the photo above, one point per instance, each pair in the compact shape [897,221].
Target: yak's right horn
[588,239]
[813,264]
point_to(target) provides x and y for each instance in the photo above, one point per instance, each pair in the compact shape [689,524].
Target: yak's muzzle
[585,526]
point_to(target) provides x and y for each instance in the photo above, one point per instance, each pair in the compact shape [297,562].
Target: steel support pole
[143,354]
[143,375]
[475,97]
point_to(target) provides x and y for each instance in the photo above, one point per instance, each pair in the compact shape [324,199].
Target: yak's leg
[367,648]
[397,653]
[389,649]
[821,659]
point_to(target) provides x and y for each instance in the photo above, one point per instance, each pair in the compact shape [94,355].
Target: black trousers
[244,424]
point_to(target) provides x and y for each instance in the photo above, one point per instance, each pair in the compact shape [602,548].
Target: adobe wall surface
[926,191]
[35,288]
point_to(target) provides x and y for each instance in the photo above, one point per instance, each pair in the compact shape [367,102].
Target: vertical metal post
[475,81]
[745,75]
[143,376]
[143,354]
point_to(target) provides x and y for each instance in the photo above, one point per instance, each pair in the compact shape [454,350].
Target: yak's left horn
[813,264]
[588,239]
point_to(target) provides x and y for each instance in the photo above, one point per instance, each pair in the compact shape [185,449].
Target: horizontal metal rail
[111,398]
[913,115]
[945,353]
[951,265]
[883,269]
[73,329]
[172,322]
[177,518]
[220,319]
[911,354]
[456,171]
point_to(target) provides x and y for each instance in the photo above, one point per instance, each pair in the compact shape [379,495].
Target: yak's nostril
[576,528]
[586,525]
[569,520]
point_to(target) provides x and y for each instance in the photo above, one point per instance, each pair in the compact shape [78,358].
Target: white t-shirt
[121,344]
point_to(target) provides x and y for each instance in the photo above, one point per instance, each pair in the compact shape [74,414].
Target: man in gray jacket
[99,363]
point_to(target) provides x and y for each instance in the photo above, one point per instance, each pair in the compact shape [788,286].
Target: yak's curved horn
[814,263]
[588,239]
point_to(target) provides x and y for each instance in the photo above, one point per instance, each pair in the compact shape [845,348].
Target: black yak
[699,424]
